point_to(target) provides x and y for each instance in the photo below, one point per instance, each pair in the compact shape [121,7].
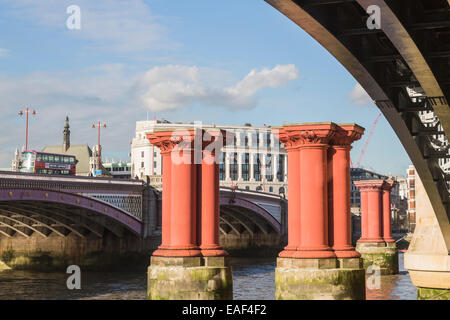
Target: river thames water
[252,279]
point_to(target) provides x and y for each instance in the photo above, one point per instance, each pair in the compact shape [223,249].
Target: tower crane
[367,142]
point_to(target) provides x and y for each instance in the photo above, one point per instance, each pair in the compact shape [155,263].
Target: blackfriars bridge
[48,213]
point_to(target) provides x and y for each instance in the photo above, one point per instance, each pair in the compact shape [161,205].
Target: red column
[210,201]
[164,143]
[387,187]
[309,170]
[293,159]
[180,186]
[339,190]
[373,209]
[364,217]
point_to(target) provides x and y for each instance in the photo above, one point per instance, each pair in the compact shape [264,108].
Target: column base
[189,278]
[433,294]
[383,255]
[319,279]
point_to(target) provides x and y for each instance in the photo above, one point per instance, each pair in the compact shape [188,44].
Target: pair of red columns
[319,189]
[190,196]
[375,210]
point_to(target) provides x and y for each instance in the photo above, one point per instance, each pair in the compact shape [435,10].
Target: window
[245,167]
[51,158]
[234,166]
[45,158]
[222,166]
[268,167]
[247,188]
[72,160]
[257,167]
[57,158]
[154,164]
[38,158]
[270,189]
[142,154]
[142,164]
[66,160]
[280,168]
[246,141]
[154,154]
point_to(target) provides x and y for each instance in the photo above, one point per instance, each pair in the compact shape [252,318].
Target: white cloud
[108,93]
[126,26]
[173,86]
[359,96]
[3,52]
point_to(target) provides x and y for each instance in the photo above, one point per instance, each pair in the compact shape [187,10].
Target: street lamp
[98,125]
[27,111]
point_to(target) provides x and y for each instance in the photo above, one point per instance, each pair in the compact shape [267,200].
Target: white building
[254,161]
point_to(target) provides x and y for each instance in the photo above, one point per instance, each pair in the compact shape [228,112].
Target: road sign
[97,172]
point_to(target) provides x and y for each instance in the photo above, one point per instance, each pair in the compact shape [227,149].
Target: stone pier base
[320,279]
[189,278]
[381,254]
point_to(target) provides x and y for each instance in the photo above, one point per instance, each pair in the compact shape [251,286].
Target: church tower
[66,135]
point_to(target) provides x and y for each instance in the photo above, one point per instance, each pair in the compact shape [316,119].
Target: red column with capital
[307,147]
[179,193]
[386,189]
[372,209]
[190,254]
[308,268]
[293,158]
[339,190]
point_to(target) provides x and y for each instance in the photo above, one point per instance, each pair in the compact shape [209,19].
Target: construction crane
[367,142]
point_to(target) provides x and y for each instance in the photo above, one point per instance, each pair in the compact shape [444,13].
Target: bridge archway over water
[251,220]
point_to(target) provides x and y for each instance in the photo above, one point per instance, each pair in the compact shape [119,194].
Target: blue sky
[225,62]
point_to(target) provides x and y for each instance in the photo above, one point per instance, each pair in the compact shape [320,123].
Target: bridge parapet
[126,195]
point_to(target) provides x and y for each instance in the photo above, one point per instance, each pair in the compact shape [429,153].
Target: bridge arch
[40,209]
[251,216]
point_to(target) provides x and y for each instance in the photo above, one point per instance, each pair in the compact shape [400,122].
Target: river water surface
[252,279]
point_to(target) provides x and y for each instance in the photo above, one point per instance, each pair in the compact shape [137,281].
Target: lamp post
[27,111]
[98,125]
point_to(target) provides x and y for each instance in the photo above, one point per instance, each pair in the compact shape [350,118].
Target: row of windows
[50,171]
[55,158]
[119,169]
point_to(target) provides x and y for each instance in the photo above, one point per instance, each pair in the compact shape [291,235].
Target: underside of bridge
[63,232]
[243,229]
[403,64]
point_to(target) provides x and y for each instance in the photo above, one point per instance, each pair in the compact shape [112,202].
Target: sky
[224,62]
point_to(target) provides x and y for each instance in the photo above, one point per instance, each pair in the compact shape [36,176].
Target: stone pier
[376,245]
[190,264]
[428,257]
[319,261]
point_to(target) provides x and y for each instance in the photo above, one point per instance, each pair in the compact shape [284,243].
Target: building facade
[411,196]
[361,174]
[254,160]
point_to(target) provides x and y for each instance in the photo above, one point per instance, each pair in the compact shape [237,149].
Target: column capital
[168,139]
[388,185]
[346,134]
[369,185]
[297,135]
